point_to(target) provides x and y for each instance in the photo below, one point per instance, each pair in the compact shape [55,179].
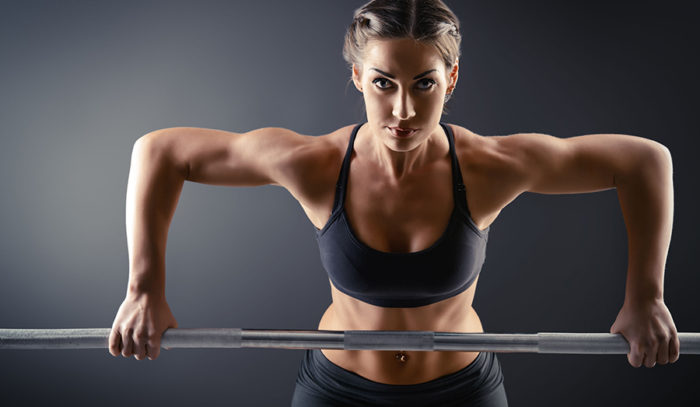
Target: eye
[380,80]
[426,83]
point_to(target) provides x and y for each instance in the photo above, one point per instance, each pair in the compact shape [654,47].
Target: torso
[375,207]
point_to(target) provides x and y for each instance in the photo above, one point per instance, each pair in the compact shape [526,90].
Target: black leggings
[321,383]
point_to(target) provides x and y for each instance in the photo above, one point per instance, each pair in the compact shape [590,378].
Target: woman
[402,205]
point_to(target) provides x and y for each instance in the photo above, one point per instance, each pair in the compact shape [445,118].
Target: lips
[401,132]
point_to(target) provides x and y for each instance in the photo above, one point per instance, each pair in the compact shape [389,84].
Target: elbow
[149,143]
[659,158]
[159,146]
[148,148]
[648,160]
[654,164]
[666,155]
[152,142]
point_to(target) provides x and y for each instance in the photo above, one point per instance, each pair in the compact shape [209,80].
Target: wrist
[641,299]
[146,288]
[644,286]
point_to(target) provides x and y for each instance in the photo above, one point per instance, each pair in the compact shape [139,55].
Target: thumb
[614,329]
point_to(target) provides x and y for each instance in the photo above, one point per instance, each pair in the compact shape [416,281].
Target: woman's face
[404,85]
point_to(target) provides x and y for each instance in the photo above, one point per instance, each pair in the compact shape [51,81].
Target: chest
[402,216]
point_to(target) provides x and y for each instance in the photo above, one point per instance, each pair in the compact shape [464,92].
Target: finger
[636,355]
[115,342]
[651,350]
[128,341]
[153,345]
[650,360]
[664,355]
[139,346]
[674,348]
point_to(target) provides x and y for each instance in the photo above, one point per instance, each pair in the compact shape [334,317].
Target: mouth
[402,132]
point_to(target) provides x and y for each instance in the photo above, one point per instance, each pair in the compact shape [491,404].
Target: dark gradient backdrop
[80,81]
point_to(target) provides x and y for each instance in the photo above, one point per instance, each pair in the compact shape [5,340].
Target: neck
[399,164]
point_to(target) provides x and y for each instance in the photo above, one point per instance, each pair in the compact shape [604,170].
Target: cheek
[374,101]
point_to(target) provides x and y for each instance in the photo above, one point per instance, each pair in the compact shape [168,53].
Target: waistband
[480,377]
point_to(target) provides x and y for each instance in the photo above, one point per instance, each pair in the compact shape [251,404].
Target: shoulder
[494,168]
[310,164]
[498,153]
[310,153]
[511,152]
[309,146]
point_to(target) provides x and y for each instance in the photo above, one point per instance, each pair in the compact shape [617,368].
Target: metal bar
[544,342]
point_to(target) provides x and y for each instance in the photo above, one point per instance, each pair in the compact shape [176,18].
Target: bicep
[586,163]
[220,157]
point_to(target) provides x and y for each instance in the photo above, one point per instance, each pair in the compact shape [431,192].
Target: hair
[429,22]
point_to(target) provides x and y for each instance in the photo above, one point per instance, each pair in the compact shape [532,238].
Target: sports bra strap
[344,170]
[460,191]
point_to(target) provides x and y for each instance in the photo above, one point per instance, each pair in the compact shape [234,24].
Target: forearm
[646,200]
[154,186]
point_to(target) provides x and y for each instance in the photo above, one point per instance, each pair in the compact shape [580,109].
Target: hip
[322,383]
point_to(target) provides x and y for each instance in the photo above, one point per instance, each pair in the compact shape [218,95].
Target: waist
[406,367]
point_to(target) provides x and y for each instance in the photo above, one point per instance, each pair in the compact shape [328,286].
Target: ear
[453,76]
[356,78]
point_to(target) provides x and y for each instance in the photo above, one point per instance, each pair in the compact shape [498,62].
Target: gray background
[80,81]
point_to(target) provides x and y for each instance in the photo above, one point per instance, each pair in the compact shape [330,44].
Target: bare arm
[641,170]
[161,162]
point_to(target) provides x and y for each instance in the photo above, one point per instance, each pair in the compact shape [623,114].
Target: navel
[401,357]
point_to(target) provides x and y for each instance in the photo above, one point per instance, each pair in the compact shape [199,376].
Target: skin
[388,182]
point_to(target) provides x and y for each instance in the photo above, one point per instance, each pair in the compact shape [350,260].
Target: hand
[138,326]
[650,331]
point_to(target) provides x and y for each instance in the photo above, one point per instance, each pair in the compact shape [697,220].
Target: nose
[403,107]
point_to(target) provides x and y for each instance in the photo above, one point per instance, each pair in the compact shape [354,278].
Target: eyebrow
[393,77]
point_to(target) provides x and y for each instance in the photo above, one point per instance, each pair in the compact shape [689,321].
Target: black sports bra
[413,279]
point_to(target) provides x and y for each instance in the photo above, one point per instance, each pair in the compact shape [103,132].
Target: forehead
[401,56]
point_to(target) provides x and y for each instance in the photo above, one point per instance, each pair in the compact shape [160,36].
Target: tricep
[220,157]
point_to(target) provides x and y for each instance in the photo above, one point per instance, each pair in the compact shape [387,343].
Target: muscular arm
[161,162]
[646,199]
[641,171]
[153,189]
[164,159]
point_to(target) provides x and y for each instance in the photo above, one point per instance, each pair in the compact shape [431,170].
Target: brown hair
[427,21]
